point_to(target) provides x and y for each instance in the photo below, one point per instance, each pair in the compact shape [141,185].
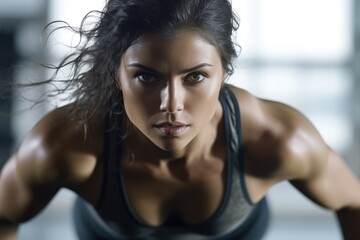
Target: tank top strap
[108,163]
[232,116]
[112,205]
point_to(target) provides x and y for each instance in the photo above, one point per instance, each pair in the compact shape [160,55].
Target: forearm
[349,220]
[7,230]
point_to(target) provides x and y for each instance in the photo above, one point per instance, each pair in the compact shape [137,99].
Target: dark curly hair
[118,25]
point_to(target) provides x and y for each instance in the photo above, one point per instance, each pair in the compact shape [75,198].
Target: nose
[172,97]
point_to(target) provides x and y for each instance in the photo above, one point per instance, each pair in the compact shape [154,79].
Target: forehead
[184,45]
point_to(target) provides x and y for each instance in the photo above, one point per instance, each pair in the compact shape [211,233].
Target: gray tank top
[114,214]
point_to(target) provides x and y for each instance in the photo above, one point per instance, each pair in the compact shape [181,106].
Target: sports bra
[235,215]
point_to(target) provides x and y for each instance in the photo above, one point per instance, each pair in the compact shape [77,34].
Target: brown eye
[195,77]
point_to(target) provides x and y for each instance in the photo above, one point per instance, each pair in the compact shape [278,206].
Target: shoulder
[279,141]
[60,150]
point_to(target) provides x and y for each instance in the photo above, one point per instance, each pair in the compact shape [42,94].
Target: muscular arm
[18,202]
[281,144]
[20,196]
[317,171]
[54,154]
[337,188]
[7,227]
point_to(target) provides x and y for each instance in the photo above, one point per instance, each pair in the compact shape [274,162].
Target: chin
[171,145]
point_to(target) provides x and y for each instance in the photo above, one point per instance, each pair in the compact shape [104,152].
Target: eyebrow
[139,65]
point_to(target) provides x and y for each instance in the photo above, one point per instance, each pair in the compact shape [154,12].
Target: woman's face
[171,87]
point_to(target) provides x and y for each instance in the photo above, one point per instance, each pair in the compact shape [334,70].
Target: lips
[174,129]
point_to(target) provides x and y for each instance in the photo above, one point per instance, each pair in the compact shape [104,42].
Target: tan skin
[183,85]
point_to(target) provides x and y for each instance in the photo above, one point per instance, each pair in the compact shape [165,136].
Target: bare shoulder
[56,153]
[280,142]
[60,150]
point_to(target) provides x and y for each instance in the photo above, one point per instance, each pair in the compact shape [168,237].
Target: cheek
[138,107]
[203,103]
[133,103]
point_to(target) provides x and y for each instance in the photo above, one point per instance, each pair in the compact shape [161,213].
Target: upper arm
[310,164]
[333,186]
[54,154]
[282,144]
[22,195]
[31,177]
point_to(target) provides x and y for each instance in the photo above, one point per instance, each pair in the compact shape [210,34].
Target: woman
[158,146]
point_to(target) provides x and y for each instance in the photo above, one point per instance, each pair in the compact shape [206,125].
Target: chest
[190,196]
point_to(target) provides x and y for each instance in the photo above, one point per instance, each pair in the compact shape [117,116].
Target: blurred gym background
[303,53]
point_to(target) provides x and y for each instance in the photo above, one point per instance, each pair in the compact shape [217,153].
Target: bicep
[311,165]
[334,186]
[20,197]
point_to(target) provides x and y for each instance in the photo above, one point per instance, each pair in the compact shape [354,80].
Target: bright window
[298,52]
